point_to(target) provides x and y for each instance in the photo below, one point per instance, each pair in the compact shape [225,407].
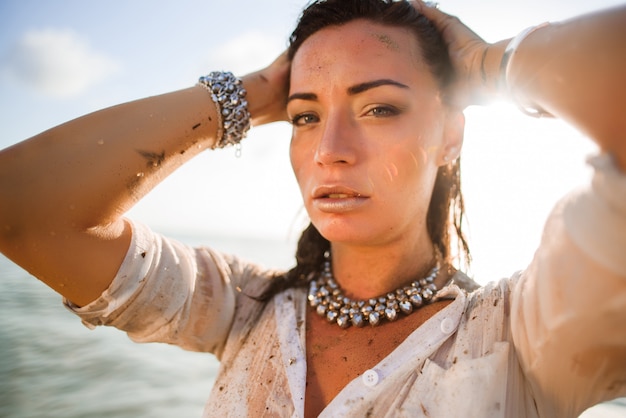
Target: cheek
[292,157]
[417,139]
[403,164]
[298,158]
[405,177]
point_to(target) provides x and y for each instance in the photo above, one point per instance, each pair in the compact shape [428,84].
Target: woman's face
[369,132]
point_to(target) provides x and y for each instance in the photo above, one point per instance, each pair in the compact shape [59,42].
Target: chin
[347,233]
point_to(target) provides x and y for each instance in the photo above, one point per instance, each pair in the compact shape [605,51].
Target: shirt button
[447,326]
[370,378]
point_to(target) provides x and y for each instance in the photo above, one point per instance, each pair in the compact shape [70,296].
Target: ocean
[53,366]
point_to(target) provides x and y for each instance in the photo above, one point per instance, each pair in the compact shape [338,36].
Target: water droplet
[139,174]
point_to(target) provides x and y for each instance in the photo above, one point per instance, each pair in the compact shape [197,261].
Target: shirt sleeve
[568,308]
[168,292]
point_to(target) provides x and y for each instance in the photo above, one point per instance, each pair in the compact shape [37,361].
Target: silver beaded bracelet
[229,96]
[505,69]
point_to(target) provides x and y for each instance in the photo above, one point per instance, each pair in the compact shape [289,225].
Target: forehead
[360,49]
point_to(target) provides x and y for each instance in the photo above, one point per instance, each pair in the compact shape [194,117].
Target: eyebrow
[360,88]
[356,89]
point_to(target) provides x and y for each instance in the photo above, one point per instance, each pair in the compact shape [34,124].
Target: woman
[375,101]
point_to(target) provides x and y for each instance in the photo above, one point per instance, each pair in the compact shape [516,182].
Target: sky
[60,60]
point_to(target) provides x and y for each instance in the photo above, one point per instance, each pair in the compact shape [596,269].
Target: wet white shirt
[547,342]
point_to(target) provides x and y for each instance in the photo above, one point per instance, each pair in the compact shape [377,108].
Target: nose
[338,143]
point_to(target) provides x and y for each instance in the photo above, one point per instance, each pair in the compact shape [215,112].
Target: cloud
[56,62]
[248,52]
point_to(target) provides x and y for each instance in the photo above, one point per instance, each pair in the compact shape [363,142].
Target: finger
[431,11]
[450,26]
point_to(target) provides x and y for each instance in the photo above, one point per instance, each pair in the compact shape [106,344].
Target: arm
[568,306]
[573,69]
[64,191]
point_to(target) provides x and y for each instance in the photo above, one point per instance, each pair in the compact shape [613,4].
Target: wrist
[509,82]
[230,99]
[267,91]
[258,104]
[490,69]
[266,103]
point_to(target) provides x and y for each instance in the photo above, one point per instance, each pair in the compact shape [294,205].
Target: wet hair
[446,209]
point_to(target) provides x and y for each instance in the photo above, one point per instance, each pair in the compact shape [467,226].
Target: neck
[369,271]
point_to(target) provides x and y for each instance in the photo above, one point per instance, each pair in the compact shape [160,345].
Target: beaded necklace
[328,299]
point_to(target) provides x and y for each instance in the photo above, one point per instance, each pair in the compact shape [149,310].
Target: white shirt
[547,342]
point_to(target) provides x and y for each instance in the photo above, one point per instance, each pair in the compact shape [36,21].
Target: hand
[475,80]
[267,91]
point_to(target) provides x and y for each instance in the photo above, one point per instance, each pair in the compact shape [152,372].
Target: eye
[382,111]
[304,119]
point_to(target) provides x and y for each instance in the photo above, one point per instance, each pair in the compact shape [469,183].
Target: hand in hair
[267,91]
[573,70]
[468,53]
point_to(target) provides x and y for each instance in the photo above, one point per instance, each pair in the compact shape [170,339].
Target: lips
[337,199]
[335,192]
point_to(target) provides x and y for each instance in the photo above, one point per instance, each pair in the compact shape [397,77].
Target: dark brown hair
[446,209]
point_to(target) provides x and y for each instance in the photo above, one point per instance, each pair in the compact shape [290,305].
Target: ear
[452,136]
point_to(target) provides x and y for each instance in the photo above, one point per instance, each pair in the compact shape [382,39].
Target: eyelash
[388,111]
[297,120]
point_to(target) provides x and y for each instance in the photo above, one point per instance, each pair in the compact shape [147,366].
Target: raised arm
[63,193]
[567,309]
[574,70]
